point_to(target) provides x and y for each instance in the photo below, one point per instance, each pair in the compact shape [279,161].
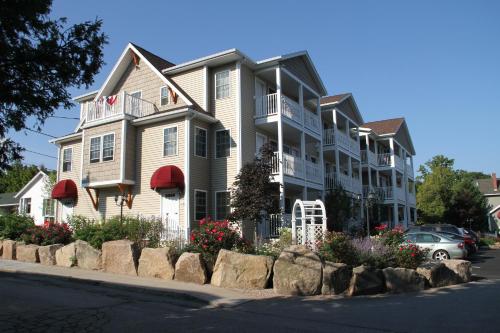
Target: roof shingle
[155,60]
[333,98]
[7,199]
[387,126]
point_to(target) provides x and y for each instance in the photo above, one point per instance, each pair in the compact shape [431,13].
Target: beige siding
[143,79]
[130,152]
[149,157]
[103,170]
[224,110]
[74,174]
[191,82]
[200,167]
[247,114]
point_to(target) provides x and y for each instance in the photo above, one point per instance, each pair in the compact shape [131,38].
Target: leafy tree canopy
[446,195]
[40,58]
[18,175]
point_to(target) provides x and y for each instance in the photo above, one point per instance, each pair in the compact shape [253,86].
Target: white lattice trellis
[308,222]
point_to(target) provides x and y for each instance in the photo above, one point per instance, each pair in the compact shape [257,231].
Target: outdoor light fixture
[120,200]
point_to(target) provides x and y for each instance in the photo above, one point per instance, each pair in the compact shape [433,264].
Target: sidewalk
[207,294]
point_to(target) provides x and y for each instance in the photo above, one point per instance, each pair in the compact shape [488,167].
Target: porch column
[393,153]
[321,162]
[337,155]
[280,140]
[395,214]
[349,171]
[303,140]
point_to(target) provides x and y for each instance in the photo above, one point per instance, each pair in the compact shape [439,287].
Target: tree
[16,177]
[40,58]
[446,195]
[338,206]
[253,193]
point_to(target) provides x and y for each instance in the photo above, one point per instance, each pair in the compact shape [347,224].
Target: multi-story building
[170,139]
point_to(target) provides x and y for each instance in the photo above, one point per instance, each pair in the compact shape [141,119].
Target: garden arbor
[308,222]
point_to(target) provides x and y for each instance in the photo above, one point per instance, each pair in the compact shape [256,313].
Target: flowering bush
[337,247]
[372,252]
[392,238]
[274,249]
[410,255]
[212,236]
[47,234]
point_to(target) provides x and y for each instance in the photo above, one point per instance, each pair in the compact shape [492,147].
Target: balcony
[400,164]
[267,105]
[368,157]
[384,159]
[384,192]
[328,137]
[117,105]
[409,170]
[334,180]
[297,167]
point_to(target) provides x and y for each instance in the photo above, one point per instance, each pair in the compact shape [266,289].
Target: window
[222,143]
[95,149]
[221,205]
[222,84]
[48,208]
[67,156]
[427,238]
[164,96]
[108,147]
[170,141]
[200,142]
[26,205]
[200,204]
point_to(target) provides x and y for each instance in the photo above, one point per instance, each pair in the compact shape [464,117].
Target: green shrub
[212,236]
[274,249]
[12,226]
[140,230]
[337,247]
[373,252]
[48,234]
[488,241]
[410,255]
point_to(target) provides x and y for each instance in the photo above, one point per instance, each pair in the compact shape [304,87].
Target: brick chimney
[494,181]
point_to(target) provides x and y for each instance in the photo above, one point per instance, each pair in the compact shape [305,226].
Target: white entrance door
[260,101]
[170,209]
[67,210]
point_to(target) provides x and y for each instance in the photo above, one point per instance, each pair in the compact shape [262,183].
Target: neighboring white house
[35,200]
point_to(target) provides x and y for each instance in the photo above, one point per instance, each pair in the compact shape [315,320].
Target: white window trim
[70,161]
[215,201]
[229,84]
[215,143]
[206,143]
[176,141]
[101,148]
[168,96]
[194,203]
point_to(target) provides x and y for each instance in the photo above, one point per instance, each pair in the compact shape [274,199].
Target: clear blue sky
[436,63]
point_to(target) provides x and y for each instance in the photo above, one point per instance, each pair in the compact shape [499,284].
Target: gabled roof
[395,127]
[384,127]
[339,100]
[33,180]
[158,62]
[8,199]
[486,186]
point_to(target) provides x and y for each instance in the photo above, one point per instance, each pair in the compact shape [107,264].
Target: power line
[63,117]
[34,152]
[38,132]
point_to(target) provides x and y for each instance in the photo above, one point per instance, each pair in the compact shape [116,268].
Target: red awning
[65,189]
[168,176]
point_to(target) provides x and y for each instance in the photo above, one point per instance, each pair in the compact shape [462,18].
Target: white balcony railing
[409,170]
[368,157]
[385,192]
[354,146]
[328,136]
[120,104]
[268,105]
[293,166]
[384,159]
[342,140]
[313,172]
[330,180]
[400,164]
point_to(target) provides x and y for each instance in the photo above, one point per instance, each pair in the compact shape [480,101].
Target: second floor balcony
[335,180]
[117,105]
[297,167]
[368,157]
[267,106]
[337,137]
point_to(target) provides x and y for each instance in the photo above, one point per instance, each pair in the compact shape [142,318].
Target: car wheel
[441,255]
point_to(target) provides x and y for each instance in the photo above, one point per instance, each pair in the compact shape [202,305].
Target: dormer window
[164,96]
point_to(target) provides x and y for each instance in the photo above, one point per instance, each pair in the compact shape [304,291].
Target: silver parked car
[440,247]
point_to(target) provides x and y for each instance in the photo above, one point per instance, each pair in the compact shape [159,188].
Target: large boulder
[47,254]
[87,257]
[366,281]
[157,263]
[462,269]
[298,271]
[66,256]
[336,278]
[190,268]
[244,271]
[436,274]
[120,257]
[400,280]
[9,249]
[27,253]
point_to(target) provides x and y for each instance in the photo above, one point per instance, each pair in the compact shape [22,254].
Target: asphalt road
[46,304]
